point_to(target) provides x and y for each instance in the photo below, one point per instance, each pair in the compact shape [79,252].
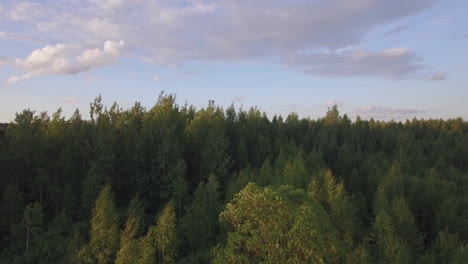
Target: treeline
[175,184]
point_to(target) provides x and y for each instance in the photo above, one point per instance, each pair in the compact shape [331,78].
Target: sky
[386,59]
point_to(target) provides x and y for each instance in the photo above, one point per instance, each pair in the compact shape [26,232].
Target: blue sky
[387,59]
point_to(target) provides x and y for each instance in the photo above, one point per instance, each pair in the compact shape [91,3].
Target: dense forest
[176,184]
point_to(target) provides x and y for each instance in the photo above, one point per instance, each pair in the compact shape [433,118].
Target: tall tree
[166,235]
[200,224]
[33,220]
[130,245]
[104,233]
[343,213]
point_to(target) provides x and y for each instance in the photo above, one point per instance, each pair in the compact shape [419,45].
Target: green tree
[148,247]
[165,234]
[200,224]
[104,233]
[130,248]
[12,206]
[295,172]
[92,185]
[447,248]
[162,132]
[343,212]
[281,225]
[214,156]
[159,243]
[33,220]
[179,187]
[395,234]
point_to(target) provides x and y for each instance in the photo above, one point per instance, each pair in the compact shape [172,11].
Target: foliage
[281,225]
[290,190]
[104,233]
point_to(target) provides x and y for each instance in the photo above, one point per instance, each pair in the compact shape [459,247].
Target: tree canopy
[177,184]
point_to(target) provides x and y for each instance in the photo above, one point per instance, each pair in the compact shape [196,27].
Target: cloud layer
[438,76]
[72,100]
[331,103]
[239,99]
[307,35]
[397,63]
[3,61]
[383,113]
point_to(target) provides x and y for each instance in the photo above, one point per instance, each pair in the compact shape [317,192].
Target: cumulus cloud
[175,32]
[67,59]
[89,59]
[383,113]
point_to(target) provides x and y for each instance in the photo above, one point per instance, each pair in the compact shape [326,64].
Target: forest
[176,184]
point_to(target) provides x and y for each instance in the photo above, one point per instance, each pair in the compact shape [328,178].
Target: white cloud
[89,59]
[50,59]
[156,78]
[20,78]
[67,59]
[175,32]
